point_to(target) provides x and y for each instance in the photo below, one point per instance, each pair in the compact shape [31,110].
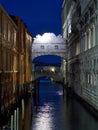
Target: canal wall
[14,117]
[87,86]
[80,28]
[89,107]
[85,80]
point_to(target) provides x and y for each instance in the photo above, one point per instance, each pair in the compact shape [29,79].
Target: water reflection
[25,115]
[56,112]
[43,118]
[53,112]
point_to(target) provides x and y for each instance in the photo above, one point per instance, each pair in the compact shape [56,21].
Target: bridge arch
[51,68]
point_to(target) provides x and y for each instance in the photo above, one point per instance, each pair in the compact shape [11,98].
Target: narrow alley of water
[55,112]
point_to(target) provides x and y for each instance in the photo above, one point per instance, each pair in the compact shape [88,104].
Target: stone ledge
[90,108]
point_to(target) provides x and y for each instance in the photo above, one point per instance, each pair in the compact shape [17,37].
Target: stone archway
[57,49]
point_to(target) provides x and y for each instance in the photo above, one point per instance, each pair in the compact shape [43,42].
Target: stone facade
[24,41]
[82,37]
[8,61]
[15,60]
[39,49]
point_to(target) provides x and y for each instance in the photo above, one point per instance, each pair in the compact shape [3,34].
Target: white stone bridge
[55,49]
[58,49]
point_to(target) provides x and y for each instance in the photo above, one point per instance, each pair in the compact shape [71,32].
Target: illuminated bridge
[54,76]
[41,56]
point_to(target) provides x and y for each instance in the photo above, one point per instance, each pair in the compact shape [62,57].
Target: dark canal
[55,112]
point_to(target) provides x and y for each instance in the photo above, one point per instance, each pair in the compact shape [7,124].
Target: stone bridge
[49,49]
[58,49]
[57,76]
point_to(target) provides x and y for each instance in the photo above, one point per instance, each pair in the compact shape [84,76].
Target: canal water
[58,112]
[53,112]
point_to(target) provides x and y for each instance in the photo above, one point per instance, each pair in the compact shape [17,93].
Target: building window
[56,47]
[6,60]
[91,79]
[42,46]
[14,37]
[95,79]
[9,32]
[23,39]
[3,59]
[77,48]
[83,42]
[88,40]
[91,37]
[12,62]
[2,26]
[5,24]
[88,78]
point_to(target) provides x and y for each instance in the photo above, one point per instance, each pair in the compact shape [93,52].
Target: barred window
[42,46]
[56,47]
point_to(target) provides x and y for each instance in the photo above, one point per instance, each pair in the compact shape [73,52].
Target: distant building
[80,28]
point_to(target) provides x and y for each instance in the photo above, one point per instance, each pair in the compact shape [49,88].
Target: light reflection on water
[43,119]
[56,112]
[60,93]
[44,115]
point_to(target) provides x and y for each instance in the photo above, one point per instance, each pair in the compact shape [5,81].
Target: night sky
[40,16]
